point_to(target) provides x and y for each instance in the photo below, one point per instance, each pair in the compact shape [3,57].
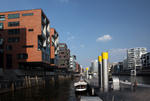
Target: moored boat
[80,86]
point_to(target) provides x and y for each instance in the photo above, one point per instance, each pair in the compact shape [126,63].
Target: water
[128,93]
[59,91]
[140,79]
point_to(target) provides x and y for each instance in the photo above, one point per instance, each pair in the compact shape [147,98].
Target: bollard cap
[105,55]
[100,58]
[87,68]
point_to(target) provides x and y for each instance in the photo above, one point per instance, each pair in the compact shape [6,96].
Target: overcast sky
[92,26]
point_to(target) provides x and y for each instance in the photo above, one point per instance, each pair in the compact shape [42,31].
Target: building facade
[54,41]
[94,66]
[146,60]
[24,39]
[78,68]
[72,63]
[134,57]
[64,56]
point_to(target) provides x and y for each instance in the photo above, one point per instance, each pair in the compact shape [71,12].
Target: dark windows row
[22,56]
[11,24]
[13,39]
[14,16]
[13,31]
[27,14]
[9,47]
[28,46]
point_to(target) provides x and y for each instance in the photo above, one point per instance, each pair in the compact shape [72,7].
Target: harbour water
[59,91]
[140,79]
[63,90]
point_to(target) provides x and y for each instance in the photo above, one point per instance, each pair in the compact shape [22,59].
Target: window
[22,56]
[30,30]
[8,47]
[1,26]
[11,24]
[13,39]
[39,42]
[2,17]
[27,46]
[52,61]
[13,16]
[27,14]
[13,31]
[61,45]
[8,60]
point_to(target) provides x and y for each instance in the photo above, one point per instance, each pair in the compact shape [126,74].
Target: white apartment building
[134,57]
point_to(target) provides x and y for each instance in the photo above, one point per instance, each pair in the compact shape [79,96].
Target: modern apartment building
[146,60]
[64,56]
[24,39]
[134,57]
[54,41]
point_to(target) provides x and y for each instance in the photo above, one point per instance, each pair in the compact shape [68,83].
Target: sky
[90,27]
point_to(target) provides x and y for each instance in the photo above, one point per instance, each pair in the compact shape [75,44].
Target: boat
[80,86]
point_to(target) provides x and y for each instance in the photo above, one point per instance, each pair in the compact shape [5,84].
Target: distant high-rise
[94,66]
[134,57]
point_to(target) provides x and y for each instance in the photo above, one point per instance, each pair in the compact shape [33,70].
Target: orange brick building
[24,39]
[54,41]
[64,56]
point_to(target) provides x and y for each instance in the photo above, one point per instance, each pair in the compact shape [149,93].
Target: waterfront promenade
[126,92]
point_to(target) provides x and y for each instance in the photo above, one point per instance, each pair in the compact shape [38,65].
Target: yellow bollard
[105,70]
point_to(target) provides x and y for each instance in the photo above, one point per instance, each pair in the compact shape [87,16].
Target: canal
[61,90]
[140,79]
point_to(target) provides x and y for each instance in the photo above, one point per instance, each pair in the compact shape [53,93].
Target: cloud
[104,38]
[120,50]
[70,38]
[82,46]
[118,54]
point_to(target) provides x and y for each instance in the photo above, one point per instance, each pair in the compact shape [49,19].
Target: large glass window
[13,39]
[22,56]
[11,24]
[61,45]
[2,17]
[8,47]
[13,31]
[8,60]
[13,16]
[27,14]
[39,42]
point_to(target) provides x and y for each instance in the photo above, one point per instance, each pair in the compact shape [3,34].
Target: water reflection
[140,79]
[53,91]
